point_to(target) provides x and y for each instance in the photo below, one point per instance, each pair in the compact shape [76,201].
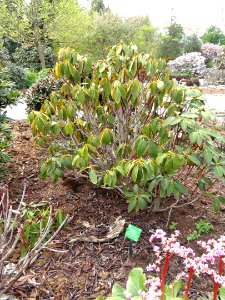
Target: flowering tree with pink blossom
[211,51]
[191,63]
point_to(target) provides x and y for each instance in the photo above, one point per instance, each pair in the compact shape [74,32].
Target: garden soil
[83,269]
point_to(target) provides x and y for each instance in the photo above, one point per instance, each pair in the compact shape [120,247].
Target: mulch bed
[206,90]
[87,270]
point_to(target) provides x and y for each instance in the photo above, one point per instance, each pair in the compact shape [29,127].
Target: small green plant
[203,227]
[36,217]
[193,236]
[173,225]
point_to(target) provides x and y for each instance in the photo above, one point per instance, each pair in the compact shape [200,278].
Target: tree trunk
[40,54]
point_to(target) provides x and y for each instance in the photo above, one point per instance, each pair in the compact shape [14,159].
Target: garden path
[18,112]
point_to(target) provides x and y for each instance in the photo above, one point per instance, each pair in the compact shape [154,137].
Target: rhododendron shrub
[124,124]
[211,51]
[192,63]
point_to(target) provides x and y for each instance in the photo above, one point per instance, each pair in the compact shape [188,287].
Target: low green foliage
[15,74]
[5,138]
[125,123]
[173,225]
[202,227]
[8,93]
[32,76]
[193,236]
[35,220]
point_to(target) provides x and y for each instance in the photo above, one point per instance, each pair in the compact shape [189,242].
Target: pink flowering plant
[211,51]
[192,63]
[211,263]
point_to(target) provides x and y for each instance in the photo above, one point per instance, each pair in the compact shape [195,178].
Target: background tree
[71,26]
[171,43]
[191,43]
[107,30]
[214,35]
[27,23]
[97,5]
[144,35]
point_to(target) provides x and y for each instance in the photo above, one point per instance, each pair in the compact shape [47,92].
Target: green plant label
[133,233]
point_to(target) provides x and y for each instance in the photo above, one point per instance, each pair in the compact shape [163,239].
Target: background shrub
[8,93]
[15,74]
[211,51]
[27,57]
[41,90]
[32,76]
[192,63]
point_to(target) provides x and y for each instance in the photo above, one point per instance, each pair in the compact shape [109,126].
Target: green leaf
[171,121]
[56,129]
[132,204]
[120,170]
[69,128]
[117,95]
[153,148]
[216,205]
[142,203]
[133,67]
[221,199]
[208,155]
[119,49]
[134,173]
[181,188]
[194,159]
[107,87]
[160,158]
[222,293]
[102,67]
[199,139]
[76,77]
[106,136]
[201,185]
[160,85]
[135,89]
[136,282]
[107,179]
[93,176]
[141,146]
[193,137]
[117,291]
